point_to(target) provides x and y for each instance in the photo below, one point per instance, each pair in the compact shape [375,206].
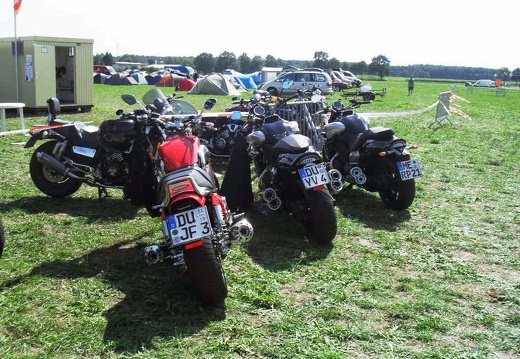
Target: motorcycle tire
[322,224]
[400,196]
[48,180]
[206,273]
[2,238]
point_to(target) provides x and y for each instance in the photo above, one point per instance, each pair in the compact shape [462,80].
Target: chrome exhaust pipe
[242,231]
[336,182]
[154,254]
[56,165]
[273,201]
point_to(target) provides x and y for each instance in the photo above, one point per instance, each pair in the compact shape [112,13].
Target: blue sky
[441,32]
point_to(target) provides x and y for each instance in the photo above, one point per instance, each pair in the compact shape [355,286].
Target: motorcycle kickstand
[103,193]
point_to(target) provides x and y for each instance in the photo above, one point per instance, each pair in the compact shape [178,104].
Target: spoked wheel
[321,226]
[48,180]
[206,273]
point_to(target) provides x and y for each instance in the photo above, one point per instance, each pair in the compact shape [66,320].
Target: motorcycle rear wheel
[322,225]
[48,180]
[394,193]
[206,273]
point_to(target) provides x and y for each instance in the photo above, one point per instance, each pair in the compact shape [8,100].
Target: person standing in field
[411,85]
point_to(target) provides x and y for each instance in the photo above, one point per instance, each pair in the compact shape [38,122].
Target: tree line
[380,65]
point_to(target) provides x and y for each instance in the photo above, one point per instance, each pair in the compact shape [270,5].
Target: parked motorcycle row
[160,156]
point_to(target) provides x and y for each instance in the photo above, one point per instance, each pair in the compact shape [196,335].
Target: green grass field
[440,280]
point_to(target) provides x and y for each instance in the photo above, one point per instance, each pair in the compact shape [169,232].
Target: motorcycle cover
[236,186]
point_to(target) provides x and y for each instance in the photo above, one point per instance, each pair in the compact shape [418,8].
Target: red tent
[170,80]
[186,85]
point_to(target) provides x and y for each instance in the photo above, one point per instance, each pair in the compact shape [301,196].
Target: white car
[485,83]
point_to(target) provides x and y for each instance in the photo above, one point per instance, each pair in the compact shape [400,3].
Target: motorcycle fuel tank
[179,152]
[117,135]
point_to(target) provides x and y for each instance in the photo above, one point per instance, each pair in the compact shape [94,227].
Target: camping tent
[153,78]
[139,78]
[120,79]
[248,82]
[185,85]
[100,78]
[215,84]
[170,80]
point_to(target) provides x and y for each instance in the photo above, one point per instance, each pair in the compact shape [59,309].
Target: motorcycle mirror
[236,115]
[208,105]
[119,112]
[337,105]
[129,99]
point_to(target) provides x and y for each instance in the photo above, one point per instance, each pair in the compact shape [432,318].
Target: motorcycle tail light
[180,186]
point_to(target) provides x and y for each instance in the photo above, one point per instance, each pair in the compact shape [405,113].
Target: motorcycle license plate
[409,169]
[189,226]
[314,175]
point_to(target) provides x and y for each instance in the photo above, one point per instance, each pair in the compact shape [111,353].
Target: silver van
[485,83]
[301,80]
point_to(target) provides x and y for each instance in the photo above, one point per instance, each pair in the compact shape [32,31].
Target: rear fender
[189,195]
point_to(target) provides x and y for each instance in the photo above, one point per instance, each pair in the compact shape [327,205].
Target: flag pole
[16,58]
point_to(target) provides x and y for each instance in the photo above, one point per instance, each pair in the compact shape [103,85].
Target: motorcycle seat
[376,133]
[294,143]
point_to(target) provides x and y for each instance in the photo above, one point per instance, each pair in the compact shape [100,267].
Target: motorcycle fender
[42,134]
[189,195]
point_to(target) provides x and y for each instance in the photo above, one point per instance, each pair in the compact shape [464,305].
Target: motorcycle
[72,155]
[291,174]
[198,227]
[370,158]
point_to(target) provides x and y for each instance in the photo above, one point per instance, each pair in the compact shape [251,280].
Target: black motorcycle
[291,174]
[370,158]
[75,153]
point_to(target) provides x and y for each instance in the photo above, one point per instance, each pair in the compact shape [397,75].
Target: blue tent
[141,80]
[248,82]
[153,79]
[256,76]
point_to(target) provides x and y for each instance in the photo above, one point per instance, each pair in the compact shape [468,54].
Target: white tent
[215,84]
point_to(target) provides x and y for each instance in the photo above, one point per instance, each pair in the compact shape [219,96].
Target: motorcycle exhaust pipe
[273,201]
[336,182]
[358,175]
[153,254]
[56,165]
[242,231]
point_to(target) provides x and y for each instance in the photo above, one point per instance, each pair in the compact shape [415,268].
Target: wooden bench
[11,105]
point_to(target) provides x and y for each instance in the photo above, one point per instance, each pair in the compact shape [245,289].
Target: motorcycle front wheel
[206,273]
[321,225]
[48,180]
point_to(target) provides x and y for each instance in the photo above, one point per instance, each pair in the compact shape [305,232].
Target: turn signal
[383,154]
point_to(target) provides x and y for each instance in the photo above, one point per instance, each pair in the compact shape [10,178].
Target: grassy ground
[440,280]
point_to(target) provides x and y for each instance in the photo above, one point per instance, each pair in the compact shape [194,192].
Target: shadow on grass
[96,210]
[280,243]
[367,208]
[154,300]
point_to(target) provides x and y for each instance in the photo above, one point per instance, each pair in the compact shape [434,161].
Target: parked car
[339,82]
[301,80]
[350,76]
[107,70]
[484,83]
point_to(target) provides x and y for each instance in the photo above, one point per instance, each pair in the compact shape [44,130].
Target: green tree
[321,59]
[380,65]
[204,63]
[515,75]
[334,63]
[98,59]
[107,59]
[257,63]
[271,61]
[503,74]
[244,63]
[226,60]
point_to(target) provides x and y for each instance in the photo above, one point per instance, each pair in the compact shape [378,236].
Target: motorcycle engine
[113,168]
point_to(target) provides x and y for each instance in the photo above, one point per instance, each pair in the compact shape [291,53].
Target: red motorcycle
[199,229]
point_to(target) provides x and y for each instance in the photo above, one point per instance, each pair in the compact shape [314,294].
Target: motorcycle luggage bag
[117,135]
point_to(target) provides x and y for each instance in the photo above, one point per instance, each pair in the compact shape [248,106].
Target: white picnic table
[11,105]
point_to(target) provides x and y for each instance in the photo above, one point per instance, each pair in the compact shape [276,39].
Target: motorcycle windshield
[183,108]
[152,95]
